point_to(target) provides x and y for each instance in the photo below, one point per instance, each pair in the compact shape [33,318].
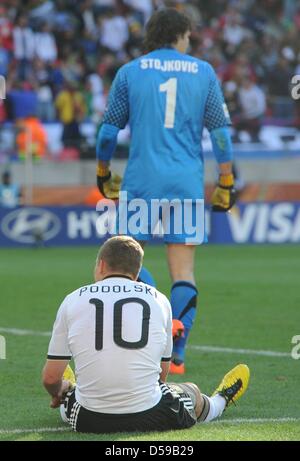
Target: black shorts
[175,410]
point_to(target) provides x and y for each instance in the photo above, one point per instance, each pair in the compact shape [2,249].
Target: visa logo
[266,223]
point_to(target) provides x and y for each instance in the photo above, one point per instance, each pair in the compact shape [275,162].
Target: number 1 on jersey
[170,87]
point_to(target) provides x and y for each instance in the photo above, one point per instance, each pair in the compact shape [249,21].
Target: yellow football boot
[69,376]
[234,384]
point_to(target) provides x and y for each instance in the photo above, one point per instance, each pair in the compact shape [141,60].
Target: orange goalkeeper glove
[224,196]
[108,183]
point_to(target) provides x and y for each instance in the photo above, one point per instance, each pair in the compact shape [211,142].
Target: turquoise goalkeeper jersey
[167,97]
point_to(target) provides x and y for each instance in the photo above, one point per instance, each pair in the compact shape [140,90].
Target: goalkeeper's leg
[183,297]
[145,275]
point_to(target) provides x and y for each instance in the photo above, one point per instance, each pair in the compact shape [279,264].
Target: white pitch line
[227,350]
[220,421]
[18,332]
[223,350]
[257,420]
[34,430]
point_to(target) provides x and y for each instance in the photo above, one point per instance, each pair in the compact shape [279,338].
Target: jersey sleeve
[58,346]
[117,110]
[216,112]
[169,346]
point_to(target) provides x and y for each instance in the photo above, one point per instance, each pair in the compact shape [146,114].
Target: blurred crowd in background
[60,57]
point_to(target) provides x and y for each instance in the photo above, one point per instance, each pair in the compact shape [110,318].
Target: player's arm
[166,359]
[57,359]
[115,118]
[52,380]
[217,121]
[165,366]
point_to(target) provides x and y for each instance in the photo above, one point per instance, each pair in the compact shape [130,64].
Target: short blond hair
[122,254]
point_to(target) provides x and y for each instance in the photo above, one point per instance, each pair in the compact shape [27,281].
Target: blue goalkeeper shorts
[176,221]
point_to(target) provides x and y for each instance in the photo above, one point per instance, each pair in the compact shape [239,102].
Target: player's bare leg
[183,296]
[181,261]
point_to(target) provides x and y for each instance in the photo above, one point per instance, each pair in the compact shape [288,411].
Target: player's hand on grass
[108,183]
[224,196]
[59,398]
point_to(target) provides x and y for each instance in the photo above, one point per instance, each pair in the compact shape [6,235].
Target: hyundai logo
[25,225]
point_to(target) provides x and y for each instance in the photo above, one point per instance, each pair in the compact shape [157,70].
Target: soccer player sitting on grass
[168,97]
[119,333]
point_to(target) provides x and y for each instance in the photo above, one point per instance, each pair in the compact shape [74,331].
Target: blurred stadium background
[59,59]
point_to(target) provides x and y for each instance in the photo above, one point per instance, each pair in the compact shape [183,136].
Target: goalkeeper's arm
[115,118]
[108,183]
[217,120]
[224,196]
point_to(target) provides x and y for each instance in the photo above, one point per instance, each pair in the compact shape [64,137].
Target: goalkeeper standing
[168,97]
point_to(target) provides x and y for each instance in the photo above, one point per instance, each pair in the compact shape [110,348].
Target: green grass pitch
[249,300]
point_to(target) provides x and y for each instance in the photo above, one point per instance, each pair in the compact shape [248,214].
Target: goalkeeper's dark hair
[164,28]
[123,255]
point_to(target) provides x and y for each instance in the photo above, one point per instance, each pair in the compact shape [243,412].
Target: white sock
[63,413]
[217,405]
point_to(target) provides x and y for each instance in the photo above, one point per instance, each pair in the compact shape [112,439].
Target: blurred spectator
[113,32]
[231,95]
[94,98]
[2,111]
[238,69]
[6,30]
[87,17]
[234,32]
[44,10]
[45,45]
[102,6]
[71,110]
[135,41]
[6,41]
[10,193]
[41,72]
[4,60]
[45,104]
[24,46]
[144,7]
[279,88]
[253,106]
[32,138]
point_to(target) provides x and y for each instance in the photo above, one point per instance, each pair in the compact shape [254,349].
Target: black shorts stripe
[59,357]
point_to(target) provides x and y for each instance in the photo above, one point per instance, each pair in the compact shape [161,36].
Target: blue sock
[146,277]
[184,303]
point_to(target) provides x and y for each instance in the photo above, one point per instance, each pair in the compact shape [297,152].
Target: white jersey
[117,331]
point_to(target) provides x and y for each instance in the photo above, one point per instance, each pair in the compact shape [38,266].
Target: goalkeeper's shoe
[177,329]
[234,384]
[224,196]
[176,368]
[69,376]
